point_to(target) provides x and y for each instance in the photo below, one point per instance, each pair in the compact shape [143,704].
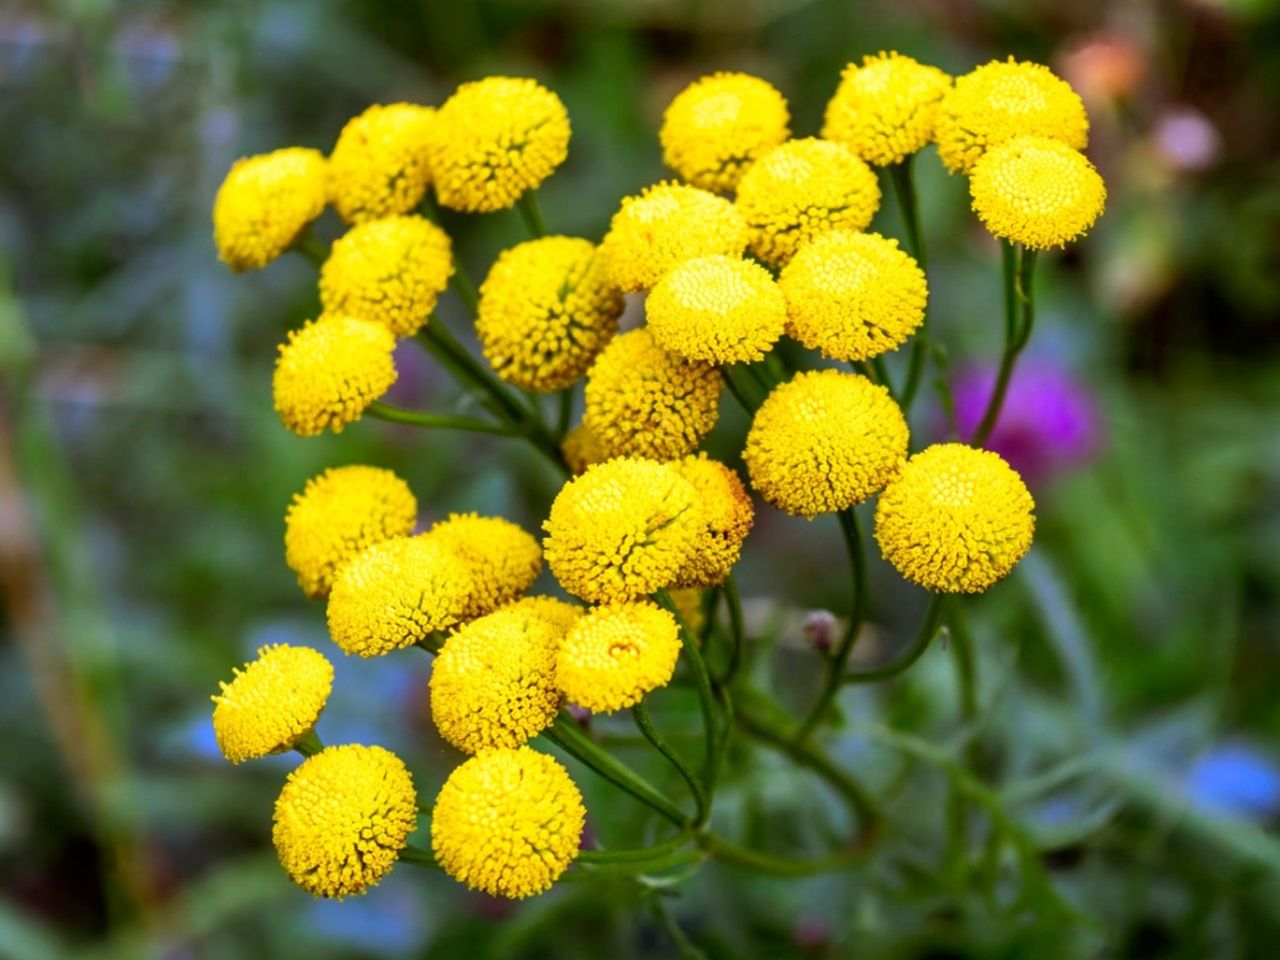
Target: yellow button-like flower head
[718,309]
[271,703]
[884,110]
[1003,100]
[1037,192]
[546,310]
[504,558]
[802,189]
[616,654]
[508,823]
[824,441]
[342,819]
[495,139]
[561,614]
[390,270]
[956,520]
[264,203]
[727,515]
[665,225]
[378,167]
[623,529]
[581,449]
[853,295]
[330,371]
[716,126]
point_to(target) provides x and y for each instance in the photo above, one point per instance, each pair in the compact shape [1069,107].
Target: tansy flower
[397,593]
[623,529]
[493,684]
[853,295]
[581,449]
[546,310]
[561,614]
[716,126]
[272,703]
[956,520]
[378,167]
[643,401]
[388,270]
[507,823]
[884,110]
[824,441]
[342,819]
[617,653]
[800,190]
[665,225]
[494,140]
[337,515]
[727,518]
[330,371]
[264,203]
[688,600]
[1037,192]
[718,309]
[1002,100]
[504,558]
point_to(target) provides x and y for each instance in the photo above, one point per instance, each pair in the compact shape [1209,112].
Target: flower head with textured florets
[617,653]
[264,203]
[378,167]
[727,514]
[884,109]
[503,557]
[581,449]
[272,703]
[560,614]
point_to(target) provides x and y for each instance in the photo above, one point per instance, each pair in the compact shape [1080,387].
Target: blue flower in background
[1236,780]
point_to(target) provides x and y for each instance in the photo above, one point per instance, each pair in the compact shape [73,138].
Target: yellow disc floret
[581,449]
[264,203]
[504,558]
[727,515]
[378,167]
[272,702]
[561,614]
[508,823]
[824,441]
[617,653]
[342,819]
[884,110]
[956,520]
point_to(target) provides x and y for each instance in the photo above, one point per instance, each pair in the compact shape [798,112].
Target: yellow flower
[504,559]
[272,703]
[508,823]
[623,529]
[884,110]
[378,167]
[581,449]
[727,518]
[853,295]
[337,515]
[718,309]
[824,441]
[389,270]
[1002,100]
[264,203]
[800,190]
[716,126]
[1037,192]
[665,225]
[642,401]
[494,683]
[495,139]
[396,593]
[546,310]
[956,520]
[342,819]
[559,613]
[330,371]
[688,601]
[617,653]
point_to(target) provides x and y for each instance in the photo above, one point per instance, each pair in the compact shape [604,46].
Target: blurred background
[1130,722]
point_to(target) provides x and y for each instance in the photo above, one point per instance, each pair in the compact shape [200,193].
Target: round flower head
[581,449]
[665,225]
[378,167]
[623,529]
[397,593]
[494,683]
[642,401]
[1037,192]
[264,203]
[688,600]
[853,295]
[337,515]
[495,139]
[800,190]
[388,270]
[561,614]
[884,110]
[824,441]
[504,558]
[342,819]
[727,518]
[956,520]
[1002,100]
[330,371]
[716,126]
[508,823]
[617,653]
[546,310]
[718,309]
[271,703]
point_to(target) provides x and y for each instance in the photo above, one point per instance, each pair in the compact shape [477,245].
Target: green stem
[431,643]
[640,713]
[928,629]
[882,374]
[532,214]
[1018,270]
[465,288]
[311,247]
[736,636]
[393,414]
[757,861]
[684,946]
[905,191]
[418,857]
[702,680]
[564,416]
[308,744]
[747,394]
[635,855]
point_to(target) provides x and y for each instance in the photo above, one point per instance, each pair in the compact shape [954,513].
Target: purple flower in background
[1235,780]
